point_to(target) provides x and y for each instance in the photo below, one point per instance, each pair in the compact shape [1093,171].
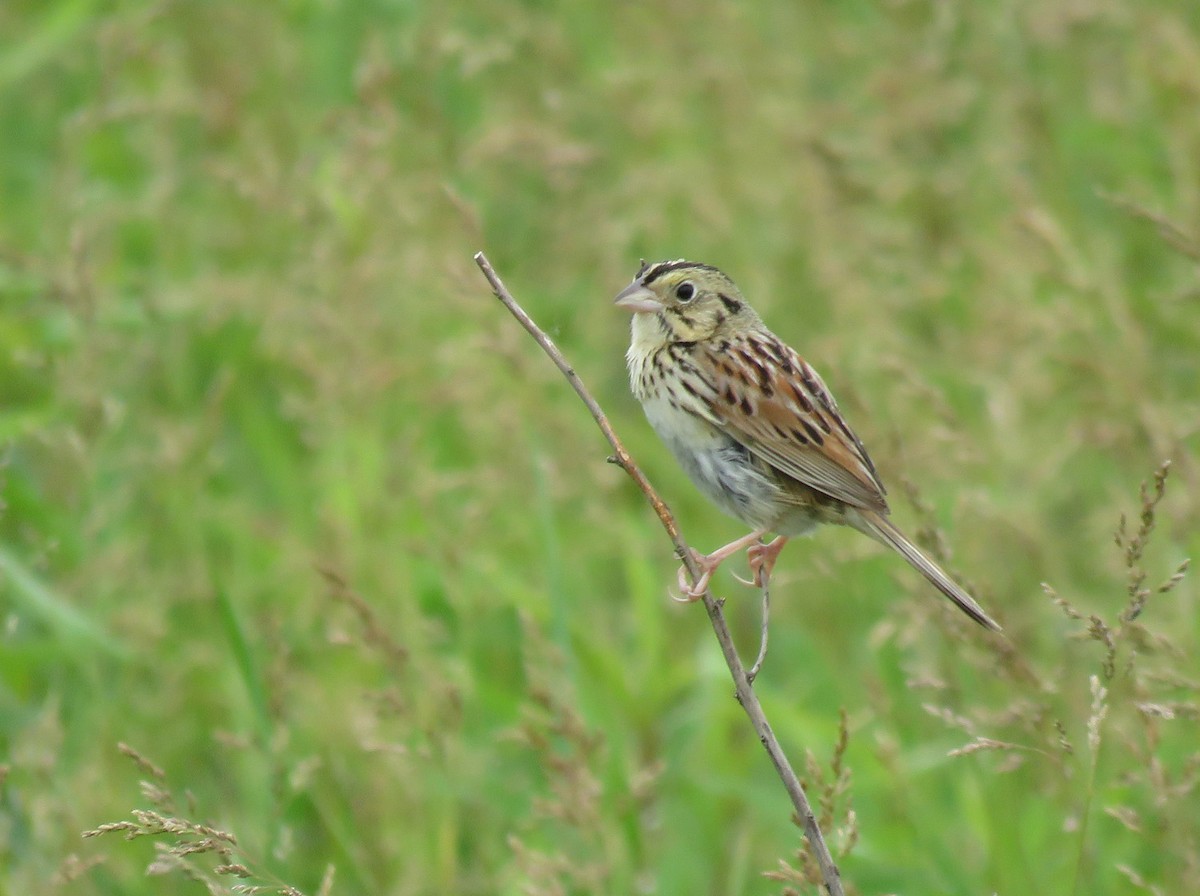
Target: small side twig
[762,641]
[741,680]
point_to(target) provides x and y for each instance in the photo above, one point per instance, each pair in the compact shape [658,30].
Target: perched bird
[752,424]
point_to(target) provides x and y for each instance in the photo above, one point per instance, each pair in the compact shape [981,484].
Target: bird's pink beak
[635,299]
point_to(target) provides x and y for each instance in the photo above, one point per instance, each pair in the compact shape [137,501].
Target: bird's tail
[881,528]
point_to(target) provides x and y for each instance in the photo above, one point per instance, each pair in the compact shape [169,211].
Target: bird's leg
[708,565]
[762,559]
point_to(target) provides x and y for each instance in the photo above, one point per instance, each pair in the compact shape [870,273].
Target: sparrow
[752,424]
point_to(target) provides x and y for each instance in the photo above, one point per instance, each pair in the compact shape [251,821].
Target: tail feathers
[881,528]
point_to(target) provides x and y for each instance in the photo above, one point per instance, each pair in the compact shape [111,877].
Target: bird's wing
[769,399]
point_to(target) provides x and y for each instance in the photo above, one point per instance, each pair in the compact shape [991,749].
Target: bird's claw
[693,593]
[762,559]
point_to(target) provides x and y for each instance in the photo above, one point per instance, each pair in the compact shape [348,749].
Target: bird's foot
[762,559]
[708,564]
[692,593]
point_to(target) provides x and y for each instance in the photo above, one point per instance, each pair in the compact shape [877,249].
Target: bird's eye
[685,291]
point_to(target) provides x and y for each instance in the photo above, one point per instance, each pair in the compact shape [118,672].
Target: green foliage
[294,508]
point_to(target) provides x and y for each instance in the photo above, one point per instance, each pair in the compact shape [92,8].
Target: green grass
[294,508]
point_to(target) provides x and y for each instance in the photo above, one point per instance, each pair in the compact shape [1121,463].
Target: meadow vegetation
[304,534]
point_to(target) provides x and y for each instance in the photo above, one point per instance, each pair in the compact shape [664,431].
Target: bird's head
[684,301]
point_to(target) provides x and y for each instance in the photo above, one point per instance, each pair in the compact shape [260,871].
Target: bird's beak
[635,298]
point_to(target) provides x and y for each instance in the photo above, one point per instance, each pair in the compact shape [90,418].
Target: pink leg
[762,560]
[708,565]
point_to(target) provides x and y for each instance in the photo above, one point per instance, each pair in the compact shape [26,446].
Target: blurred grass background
[296,510]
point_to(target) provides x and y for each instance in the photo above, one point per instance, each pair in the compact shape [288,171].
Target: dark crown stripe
[665,267]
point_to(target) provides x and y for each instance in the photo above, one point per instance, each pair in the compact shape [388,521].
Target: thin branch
[762,641]
[742,683]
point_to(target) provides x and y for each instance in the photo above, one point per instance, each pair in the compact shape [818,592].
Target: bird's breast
[717,464]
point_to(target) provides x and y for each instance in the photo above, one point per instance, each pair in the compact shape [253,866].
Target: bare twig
[762,641]
[742,682]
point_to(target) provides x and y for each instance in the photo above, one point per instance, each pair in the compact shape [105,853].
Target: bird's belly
[725,471]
